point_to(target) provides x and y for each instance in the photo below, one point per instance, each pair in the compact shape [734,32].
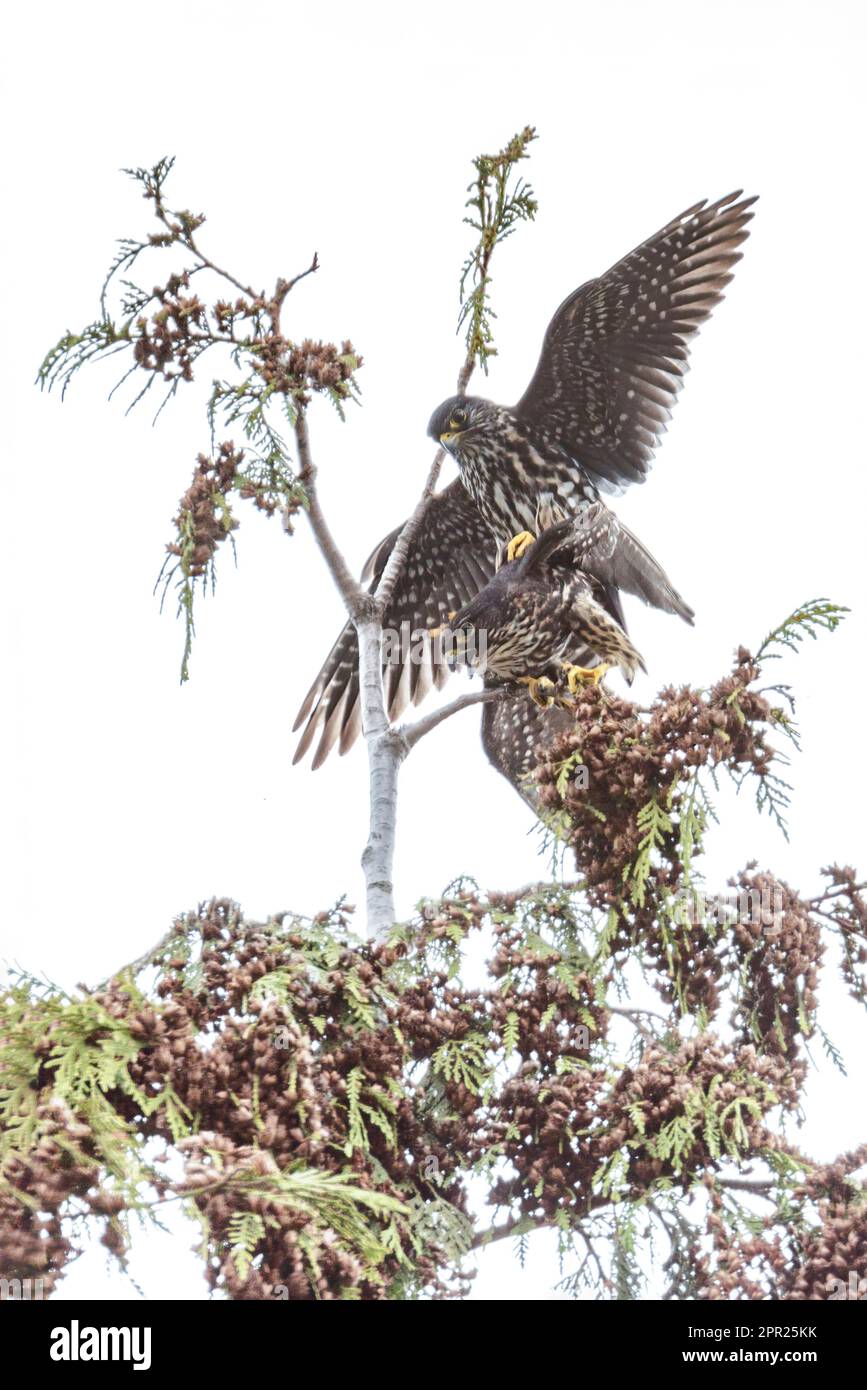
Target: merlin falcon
[612,363]
[536,619]
[546,614]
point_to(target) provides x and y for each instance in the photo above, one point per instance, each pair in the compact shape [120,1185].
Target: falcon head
[466,634]
[460,423]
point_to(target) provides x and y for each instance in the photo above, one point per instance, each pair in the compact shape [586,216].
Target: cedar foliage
[325,1108]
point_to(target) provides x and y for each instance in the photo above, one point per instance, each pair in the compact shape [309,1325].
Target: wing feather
[600,545]
[453,557]
[616,350]
[516,734]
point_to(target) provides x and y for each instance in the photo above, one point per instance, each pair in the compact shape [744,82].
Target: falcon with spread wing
[611,366]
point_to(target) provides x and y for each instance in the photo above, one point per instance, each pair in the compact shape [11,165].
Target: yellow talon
[435,631]
[536,685]
[518,544]
[577,676]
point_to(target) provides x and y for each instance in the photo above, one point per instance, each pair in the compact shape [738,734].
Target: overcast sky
[349,130]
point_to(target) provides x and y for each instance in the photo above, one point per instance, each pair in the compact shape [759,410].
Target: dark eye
[458,419]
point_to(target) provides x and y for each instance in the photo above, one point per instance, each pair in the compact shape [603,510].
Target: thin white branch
[386,749]
[350,590]
[398,557]
[413,732]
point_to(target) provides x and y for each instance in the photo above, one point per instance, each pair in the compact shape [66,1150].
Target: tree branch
[350,590]
[386,748]
[634,1017]
[398,557]
[762,1187]
[413,732]
[285,287]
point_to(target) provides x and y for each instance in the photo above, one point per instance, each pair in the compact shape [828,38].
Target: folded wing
[602,546]
[516,734]
[592,539]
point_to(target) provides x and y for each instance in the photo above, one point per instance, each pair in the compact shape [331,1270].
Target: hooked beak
[448,435]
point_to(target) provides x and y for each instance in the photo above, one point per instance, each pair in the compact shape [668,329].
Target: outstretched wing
[603,547]
[452,558]
[616,350]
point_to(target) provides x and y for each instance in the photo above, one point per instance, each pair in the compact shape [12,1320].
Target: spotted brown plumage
[453,558]
[515,733]
[600,545]
[536,617]
[611,365]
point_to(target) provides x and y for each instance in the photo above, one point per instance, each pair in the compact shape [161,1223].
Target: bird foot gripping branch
[538,688]
[546,693]
[576,676]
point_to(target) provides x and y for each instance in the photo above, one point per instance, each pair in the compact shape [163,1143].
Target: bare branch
[398,557]
[386,748]
[835,891]
[495,211]
[762,1187]
[350,590]
[285,287]
[634,1017]
[413,732]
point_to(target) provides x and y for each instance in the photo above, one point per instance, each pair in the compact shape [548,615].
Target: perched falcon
[453,557]
[612,363]
[537,620]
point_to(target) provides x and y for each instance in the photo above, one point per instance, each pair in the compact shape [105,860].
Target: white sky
[349,129]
